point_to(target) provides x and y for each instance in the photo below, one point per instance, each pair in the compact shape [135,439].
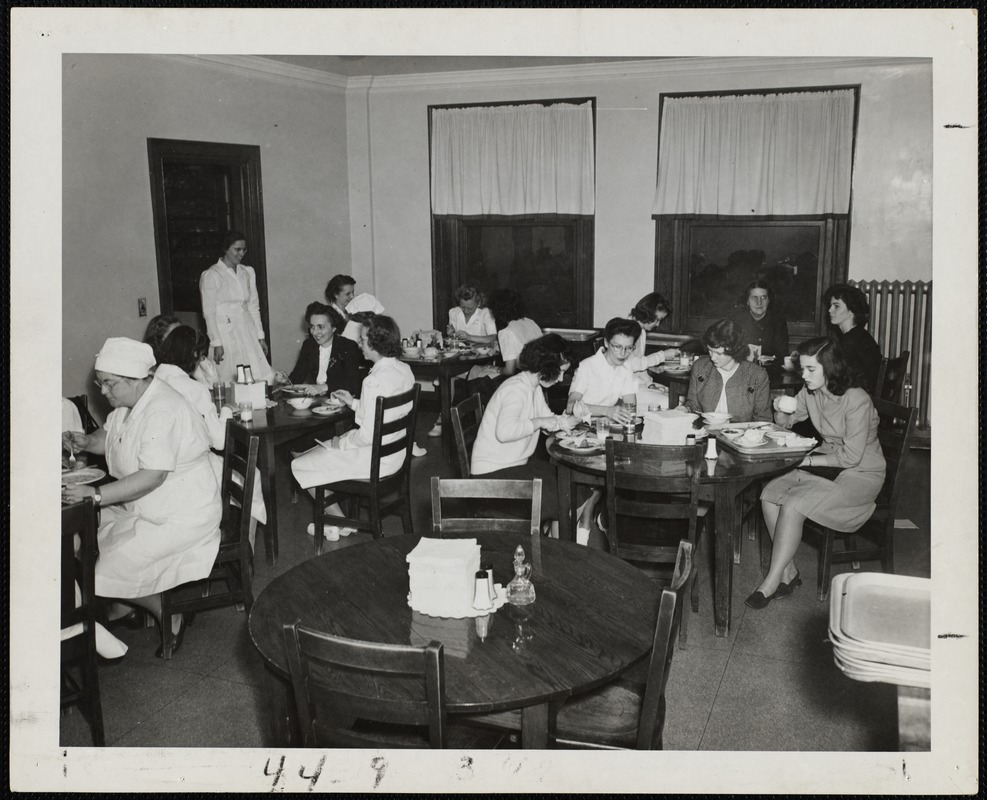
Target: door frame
[247,203]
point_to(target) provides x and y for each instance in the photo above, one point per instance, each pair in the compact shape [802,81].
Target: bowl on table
[411,352]
[779,437]
[300,402]
[431,352]
[716,417]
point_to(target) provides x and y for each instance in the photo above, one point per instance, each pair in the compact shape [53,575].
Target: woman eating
[515,415]
[514,329]
[347,457]
[648,313]
[327,361]
[231,308]
[339,292]
[846,419]
[849,312]
[160,518]
[725,381]
[760,324]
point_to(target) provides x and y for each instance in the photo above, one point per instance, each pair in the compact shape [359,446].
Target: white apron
[171,535]
[230,307]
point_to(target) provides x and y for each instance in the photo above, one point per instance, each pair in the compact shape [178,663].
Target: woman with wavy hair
[849,312]
[846,419]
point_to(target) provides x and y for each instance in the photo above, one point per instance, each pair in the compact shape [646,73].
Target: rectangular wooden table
[276,426]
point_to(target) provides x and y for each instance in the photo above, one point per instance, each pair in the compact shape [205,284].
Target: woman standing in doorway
[231,309]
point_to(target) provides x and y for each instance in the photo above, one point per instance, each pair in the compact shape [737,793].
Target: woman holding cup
[846,419]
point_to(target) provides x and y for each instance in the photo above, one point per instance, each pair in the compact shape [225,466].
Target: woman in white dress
[347,457]
[160,518]
[231,308]
[339,293]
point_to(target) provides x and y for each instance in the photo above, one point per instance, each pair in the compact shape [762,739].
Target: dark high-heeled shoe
[786,589]
[179,638]
[758,600]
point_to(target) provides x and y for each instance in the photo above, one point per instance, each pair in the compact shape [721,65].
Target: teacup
[789,364]
[431,352]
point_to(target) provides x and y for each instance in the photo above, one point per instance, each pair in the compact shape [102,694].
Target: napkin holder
[667,427]
[442,576]
[253,393]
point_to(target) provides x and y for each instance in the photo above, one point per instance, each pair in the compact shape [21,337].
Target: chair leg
[850,544]
[317,518]
[91,677]
[167,637]
[825,565]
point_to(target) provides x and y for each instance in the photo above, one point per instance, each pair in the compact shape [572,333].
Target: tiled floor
[770,685]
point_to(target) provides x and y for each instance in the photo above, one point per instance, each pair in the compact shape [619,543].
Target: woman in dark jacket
[747,397]
[849,312]
[326,359]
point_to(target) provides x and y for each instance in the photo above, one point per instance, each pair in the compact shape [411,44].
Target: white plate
[889,610]
[585,447]
[739,441]
[325,411]
[677,370]
[82,476]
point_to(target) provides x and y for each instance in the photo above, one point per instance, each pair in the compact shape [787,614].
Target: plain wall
[111,105]
[891,225]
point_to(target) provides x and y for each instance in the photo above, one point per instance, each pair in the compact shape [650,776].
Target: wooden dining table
[677,381]
[276,426]
[444,369]
[722,483]
[593,617]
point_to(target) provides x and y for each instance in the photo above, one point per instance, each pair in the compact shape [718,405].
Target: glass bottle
[520,591]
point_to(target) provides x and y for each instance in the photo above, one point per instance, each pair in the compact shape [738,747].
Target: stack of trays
[880,626]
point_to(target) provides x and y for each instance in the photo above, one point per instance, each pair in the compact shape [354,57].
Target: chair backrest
[891,377]
[395,435]
[78,566]
[894,431]
[337,681]
[669,617]
[483,489]
[238,483]
[651,482]
[81,402]
[466,418]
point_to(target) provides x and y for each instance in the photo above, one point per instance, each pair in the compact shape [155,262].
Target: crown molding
[256,67]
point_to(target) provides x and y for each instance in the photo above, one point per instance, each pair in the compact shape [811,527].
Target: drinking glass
[602,428]
[246,412]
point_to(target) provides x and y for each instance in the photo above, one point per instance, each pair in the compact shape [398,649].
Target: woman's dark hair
[855,300]
[384,336]
[336,285]
[757,283]
[362,317]
[156,331]
[230,239]
[335,318]
[649,307]
[183,347]
[829,353]
[469,292]
[619,326]
[727,334]
[506,306]
[546,356]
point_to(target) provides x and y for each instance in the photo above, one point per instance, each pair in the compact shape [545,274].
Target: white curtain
[756,154]
[528,159]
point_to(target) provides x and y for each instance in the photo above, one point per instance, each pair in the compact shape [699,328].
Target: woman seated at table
[470,320]
[160,518]
[326,360]
[847,421]
[517,412]
[649,311]
[725,380]
[347,457]
[339,292]
[849,312]
[180,352]
[158,330]
[761,324]
[514,329]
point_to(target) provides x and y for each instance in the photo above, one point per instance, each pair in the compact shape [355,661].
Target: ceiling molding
[257,67]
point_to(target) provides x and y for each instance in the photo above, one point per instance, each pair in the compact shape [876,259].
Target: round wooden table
[593,617]
[722,483]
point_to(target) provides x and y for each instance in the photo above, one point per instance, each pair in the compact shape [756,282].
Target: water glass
[602,428]
[630,403]
[219,395]
[246,412]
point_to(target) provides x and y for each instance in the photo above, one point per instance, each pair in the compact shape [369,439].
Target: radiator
[901,319]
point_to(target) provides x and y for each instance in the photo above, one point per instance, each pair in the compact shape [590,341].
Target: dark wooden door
[199,192]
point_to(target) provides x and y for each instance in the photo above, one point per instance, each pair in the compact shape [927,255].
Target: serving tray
[770,448]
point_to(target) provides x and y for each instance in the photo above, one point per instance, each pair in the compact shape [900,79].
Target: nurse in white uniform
[160,518]
[231,308]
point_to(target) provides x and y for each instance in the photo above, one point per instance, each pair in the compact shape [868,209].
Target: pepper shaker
[711,453]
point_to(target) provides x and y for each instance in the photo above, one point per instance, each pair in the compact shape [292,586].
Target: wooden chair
[234,561]
[81,402]
[481,489]
[339,684]
[466,418]
[383,493]
[897,425]
[891,377]
[637,489]
[630,714]
[78,570]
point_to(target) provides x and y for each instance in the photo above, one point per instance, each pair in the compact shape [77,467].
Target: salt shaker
[481,594]
[711,453]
